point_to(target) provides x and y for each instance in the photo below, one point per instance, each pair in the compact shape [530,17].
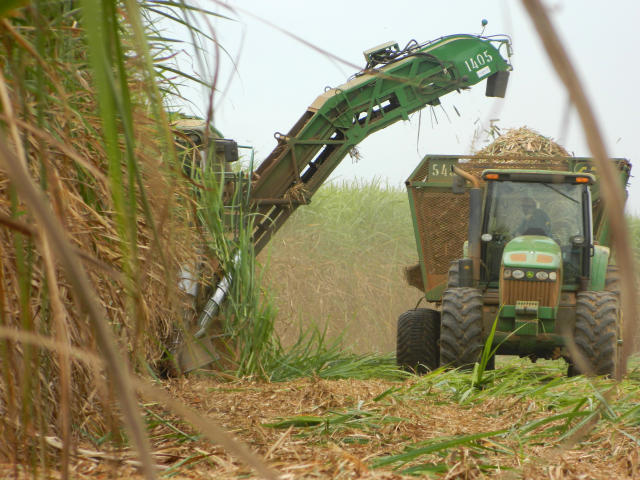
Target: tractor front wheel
[612,283]
[417,341]
[595,333]
[461,330]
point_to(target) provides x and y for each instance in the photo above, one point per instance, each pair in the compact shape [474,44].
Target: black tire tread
[595,332]
[461,340]
[417,348]
[612,283]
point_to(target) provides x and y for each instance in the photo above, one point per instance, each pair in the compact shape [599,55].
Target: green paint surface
[531,246]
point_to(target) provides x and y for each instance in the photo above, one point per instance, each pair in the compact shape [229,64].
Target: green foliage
[8,5]
[312,356]
[487,353]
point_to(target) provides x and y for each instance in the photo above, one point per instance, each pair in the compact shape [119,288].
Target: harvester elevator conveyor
[394,84]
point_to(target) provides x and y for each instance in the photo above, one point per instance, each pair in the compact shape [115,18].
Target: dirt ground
[347,450]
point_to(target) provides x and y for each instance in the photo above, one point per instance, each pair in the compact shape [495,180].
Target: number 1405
[474,63]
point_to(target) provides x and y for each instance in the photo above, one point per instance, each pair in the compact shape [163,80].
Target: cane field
[100,217]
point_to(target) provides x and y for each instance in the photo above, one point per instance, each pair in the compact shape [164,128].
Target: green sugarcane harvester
[394,84]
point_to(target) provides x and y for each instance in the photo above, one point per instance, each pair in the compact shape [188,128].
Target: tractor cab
[536,227]
[536,242]
[210,163]
[194,139]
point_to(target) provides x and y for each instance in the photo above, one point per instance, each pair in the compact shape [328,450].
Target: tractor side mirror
[577,240]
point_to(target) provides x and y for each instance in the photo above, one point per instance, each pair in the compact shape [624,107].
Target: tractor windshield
[554,210]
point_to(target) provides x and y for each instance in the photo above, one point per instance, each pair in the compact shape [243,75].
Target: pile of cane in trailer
[522,142]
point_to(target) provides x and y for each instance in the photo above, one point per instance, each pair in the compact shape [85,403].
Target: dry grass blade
[31,232]
[13,129]
[209,428]
[612,194]
[62,334]
[68,151]
[85,296]
[84,356]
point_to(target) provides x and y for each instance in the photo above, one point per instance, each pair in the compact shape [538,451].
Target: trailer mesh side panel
[442,220]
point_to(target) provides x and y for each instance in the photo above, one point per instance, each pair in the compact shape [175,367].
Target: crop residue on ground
[525,421]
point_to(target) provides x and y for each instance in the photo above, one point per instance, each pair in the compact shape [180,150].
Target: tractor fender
[599,263]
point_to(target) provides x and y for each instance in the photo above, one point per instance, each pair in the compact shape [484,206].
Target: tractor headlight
[517,274]
[542,275]
[553,276]
[507,273]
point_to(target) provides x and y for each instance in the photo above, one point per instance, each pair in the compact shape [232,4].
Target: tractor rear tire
[417,348]
[596,333]
[461,341]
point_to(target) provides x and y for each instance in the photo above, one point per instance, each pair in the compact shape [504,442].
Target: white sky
[278,77]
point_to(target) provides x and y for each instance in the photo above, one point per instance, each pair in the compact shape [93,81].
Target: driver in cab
[535,221]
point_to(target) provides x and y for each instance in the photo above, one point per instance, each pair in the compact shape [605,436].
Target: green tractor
[536,265]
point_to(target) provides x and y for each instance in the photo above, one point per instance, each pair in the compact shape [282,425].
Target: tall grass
[246,337]
[86,146]
[339,262]
[84,91]
[317,347]
[633,223]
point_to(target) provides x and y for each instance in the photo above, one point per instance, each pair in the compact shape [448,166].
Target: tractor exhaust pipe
[475,221]
[475,230]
